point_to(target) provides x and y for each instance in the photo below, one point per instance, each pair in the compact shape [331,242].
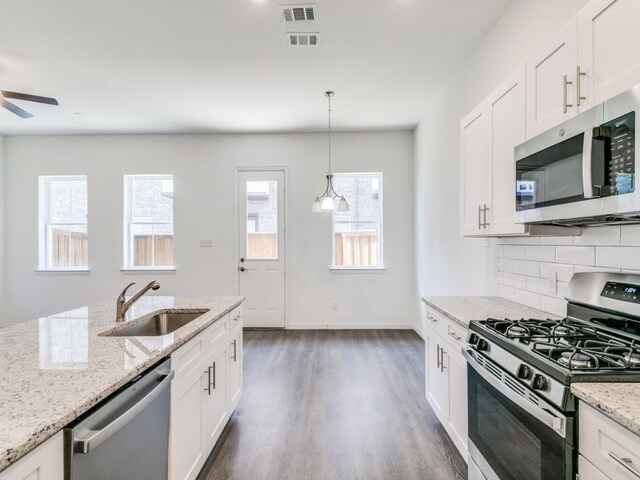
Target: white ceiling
[136,66]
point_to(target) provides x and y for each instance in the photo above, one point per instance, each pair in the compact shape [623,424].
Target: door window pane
[262,220]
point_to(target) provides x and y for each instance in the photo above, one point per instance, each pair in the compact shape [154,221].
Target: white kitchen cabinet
[235,366]
[608,48]
[610,450]
[506,130]
[474,169]
[446,376]
[200,394]
[45,462]
[551,80]
[216,410]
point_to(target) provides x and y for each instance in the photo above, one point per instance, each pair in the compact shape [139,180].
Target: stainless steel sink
[159,323]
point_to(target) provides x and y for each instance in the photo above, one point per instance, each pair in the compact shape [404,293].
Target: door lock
[242,259]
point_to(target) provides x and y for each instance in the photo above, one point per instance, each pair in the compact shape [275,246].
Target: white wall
[203,169]
[2,253]
[447,264]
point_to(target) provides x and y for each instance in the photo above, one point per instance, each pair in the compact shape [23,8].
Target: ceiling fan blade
[29,98]
[15,109]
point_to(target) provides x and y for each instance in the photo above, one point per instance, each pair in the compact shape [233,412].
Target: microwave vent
[596,221]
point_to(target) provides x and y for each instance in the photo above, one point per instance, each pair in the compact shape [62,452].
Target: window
[262,220]
[357,234]
[63,223]
[148,222]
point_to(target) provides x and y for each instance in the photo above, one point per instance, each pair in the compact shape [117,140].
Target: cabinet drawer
[610,447]
[217,333]
[587,471]
[189,355]
[436,321]
[454,333]
[235,318]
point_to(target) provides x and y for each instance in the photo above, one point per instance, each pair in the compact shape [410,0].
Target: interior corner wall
[203,168]
[2,250]
[446,263]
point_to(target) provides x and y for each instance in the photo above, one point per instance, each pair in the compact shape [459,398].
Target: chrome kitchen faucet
[122,305]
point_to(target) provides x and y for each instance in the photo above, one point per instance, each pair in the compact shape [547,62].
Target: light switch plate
[206,243]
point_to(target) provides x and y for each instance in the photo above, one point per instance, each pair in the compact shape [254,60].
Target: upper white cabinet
[506,130]
[488,136]
[474,169]
[608,48]
[551,80]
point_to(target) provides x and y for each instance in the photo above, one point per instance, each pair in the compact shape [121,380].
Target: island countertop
[56,368]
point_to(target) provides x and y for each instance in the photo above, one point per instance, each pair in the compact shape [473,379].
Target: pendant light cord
[329,95]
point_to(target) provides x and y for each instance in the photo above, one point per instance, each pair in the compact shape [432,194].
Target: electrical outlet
[552,284]
[206,243]
[335,306]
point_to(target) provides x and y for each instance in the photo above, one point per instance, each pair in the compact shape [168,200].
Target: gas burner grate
[559,331]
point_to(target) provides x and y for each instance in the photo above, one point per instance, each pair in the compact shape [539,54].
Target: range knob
[473,339]
[524,372]
[482,345]
[539,383]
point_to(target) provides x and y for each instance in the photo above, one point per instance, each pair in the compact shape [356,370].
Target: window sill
[148,270]
[357,269]
[63,271]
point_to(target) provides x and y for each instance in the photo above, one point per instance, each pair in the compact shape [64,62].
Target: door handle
[241,269]
[579,75]
[566,82]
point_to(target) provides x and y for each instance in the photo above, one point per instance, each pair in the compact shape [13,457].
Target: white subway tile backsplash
[500,251]
[556,240]
[519,241]
[513,280]
[515,251]
[630,235]
[576,255]
[541,253]
[599,236]
[557,306]
[562,289]
[525,267]
[538,285]
[506,292]
[526,298]
[618,257]
[563,272]
[505,265]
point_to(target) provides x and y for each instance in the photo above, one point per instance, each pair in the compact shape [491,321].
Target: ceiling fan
[22,96]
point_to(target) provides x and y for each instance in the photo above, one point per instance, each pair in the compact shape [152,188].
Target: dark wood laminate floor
[323,404]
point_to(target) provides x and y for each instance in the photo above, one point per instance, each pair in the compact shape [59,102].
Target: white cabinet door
[457,366]
[474,170]
[437,381]
[235,368]
[609,48]
[187,436]
[46,462]
[506,129]
[549,100]
[587,471]
[215,394]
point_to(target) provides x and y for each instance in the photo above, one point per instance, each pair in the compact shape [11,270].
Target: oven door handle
[587,151]
[554,422]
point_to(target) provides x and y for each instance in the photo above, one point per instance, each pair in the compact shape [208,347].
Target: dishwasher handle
[90,439]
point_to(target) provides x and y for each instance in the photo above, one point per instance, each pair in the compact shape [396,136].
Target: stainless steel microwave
[582,172]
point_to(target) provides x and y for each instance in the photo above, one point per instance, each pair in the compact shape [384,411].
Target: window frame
[380,223]
[127,257]
[44,195]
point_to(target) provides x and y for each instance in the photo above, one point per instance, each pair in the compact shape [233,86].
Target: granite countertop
[618,401]
[464,309]
[58,367]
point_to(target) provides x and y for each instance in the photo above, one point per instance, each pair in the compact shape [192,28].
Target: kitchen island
[58,367]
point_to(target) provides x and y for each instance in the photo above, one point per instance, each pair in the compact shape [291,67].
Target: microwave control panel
[618,137]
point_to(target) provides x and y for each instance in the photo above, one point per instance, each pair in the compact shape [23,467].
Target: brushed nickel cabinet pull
[208,388]
[479,217]
[455,336]
[626,463]
[214,375]
[565,98]
[485,224]
[579,75]
[442,367]
[438,357]
[234,351]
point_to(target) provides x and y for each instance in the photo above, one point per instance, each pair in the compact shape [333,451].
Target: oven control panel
[626,292]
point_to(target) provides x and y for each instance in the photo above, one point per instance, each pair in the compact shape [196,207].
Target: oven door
[510,436]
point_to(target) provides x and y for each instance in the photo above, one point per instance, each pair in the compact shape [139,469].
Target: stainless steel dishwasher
[127,436]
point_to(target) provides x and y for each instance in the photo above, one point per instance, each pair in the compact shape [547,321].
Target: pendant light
[325,202]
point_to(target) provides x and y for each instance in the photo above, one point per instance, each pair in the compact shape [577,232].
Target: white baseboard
[349,326]
[418,330]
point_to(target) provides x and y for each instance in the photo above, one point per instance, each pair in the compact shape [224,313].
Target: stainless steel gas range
[522,415]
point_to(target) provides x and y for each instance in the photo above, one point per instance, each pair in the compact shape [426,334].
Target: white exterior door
[261,201]
[550,100]
[609,49]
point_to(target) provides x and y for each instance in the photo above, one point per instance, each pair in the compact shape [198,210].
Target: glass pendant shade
[343,206]
[327,203]
[317,207]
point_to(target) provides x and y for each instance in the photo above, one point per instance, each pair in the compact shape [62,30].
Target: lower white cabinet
[45,462]
[204,393]
[446,376]
[607,450]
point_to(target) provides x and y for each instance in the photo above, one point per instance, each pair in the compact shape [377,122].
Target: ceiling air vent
[303,39]
[299,13]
